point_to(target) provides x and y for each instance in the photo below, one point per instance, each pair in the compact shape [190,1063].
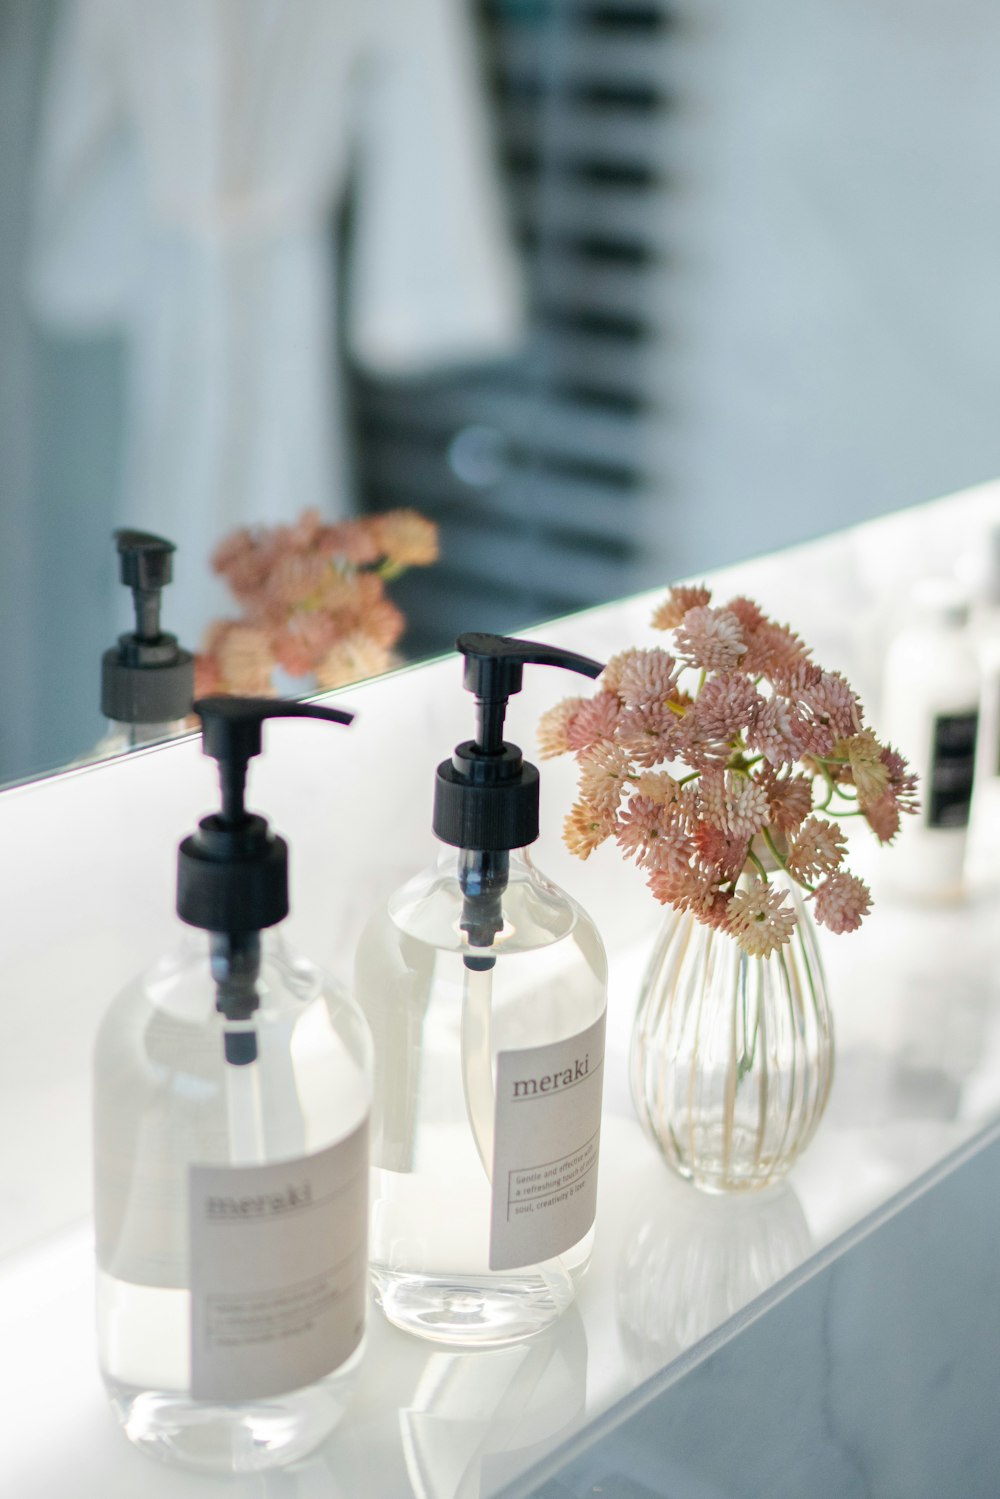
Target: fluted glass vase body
[732,1056]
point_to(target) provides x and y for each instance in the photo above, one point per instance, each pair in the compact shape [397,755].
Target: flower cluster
[723,759]
[313,600]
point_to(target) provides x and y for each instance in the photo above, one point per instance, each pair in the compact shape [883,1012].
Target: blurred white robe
[191,155]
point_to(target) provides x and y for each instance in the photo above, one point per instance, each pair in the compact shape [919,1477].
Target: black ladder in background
[539,471]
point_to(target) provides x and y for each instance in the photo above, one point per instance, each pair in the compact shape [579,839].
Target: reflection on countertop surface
[877,1377]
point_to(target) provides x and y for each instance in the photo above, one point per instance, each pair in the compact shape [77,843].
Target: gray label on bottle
[547,1133]
[953,758]
[278,1270]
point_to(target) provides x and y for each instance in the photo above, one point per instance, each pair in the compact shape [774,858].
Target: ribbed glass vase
[732,1056]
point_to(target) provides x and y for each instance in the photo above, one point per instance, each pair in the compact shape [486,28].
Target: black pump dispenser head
[486,795]
[146,678]
[232,874]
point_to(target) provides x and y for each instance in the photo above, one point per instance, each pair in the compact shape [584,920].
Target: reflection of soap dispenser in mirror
[930,713]
[485,987]
[232,1090]
[147,680]
[983,866]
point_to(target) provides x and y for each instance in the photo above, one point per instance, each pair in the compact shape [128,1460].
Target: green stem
[754,860]
[783,864]
[773,848]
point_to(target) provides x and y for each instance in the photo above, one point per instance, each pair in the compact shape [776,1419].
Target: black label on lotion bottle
[953,759]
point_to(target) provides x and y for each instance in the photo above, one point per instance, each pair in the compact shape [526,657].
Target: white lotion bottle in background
[485,987]
[930,713]
[232,1091]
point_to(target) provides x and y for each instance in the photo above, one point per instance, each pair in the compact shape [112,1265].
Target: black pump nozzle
[232,875]
[494,669]
[486,796]
[231,732]
[146,566]
[147,678]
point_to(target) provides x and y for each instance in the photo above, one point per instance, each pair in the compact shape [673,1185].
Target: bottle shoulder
[536,912]
[169,1011]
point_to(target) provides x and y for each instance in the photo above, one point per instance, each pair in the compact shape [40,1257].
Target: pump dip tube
[232,1092]
[485,987]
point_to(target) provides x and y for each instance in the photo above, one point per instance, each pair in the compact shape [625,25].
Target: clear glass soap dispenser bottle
[232,1092]
[485,987]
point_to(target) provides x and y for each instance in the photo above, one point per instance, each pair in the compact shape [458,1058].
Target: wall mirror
[612,291]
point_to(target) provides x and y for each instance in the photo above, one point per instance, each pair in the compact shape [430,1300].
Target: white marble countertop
[88,900]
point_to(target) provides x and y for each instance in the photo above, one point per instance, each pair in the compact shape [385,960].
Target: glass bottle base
[215,1437]
[482,1311]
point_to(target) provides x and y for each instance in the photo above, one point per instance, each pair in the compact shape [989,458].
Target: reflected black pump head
[486,796]
[147,677]
[232,874]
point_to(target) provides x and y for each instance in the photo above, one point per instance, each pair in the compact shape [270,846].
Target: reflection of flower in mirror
[760,749]
[313,600]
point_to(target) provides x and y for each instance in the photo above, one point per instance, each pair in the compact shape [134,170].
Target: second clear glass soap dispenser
[485,987]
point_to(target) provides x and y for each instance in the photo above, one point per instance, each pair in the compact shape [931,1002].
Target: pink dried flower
[673,850]
[818,848]
[750,615]
[305,588]
[657,786]
[723,852]
[640,825]
[406,538]
[298,643]
[759,919]
[553,726]
[773,730]
[585,829]
[902,780]
[724,707]
[642,678]
[883,817]
[829,711]
[869,772]
[242,658]
[681,598]
[384,622]
[691,888]
[710,639]
[354,543]
[841,901]
[883,812]
[593,723]
[295,578]
[654,829]
[650,735]
[774,651]
[789,799]
[733,803]
[355,657]
[603,777]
